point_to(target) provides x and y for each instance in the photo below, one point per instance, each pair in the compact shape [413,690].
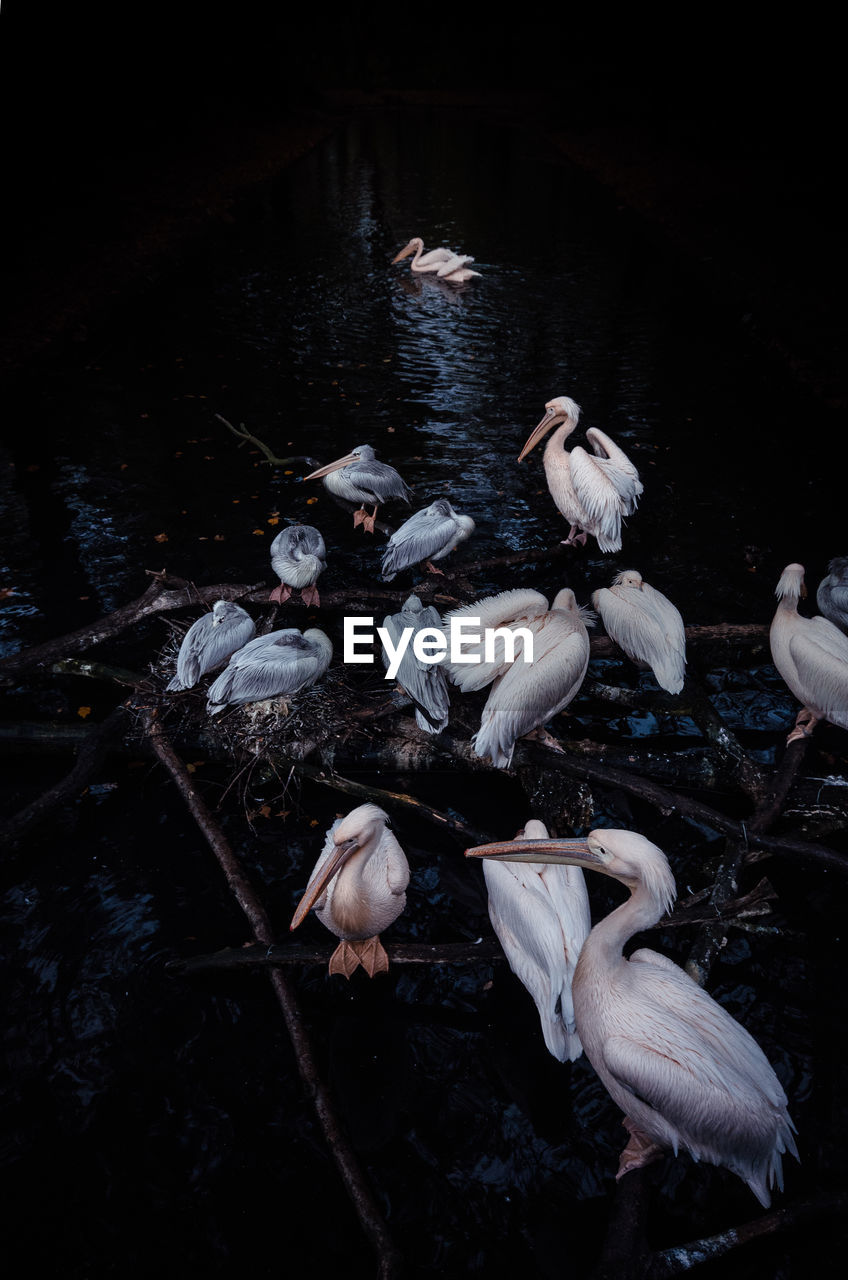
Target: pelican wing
[207,644]
[616,465]
[648,628]
[378,481]
[507,609]
[820,654]
[425,682]
[424,534]
[453,263]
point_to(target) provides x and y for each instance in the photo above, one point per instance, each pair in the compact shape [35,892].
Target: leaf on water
[259,533]
[160,537]
[219,537]
[82,712]
[309,501]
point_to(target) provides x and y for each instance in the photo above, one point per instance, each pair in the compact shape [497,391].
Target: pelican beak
[334,865]
[333,466]
[404,253]
[574,853]
[551,418]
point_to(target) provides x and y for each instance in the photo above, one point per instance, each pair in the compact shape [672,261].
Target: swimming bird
[524,694]
[832,595]
[540,913]
[357,888]
[812,656]
[443,263]
[280,663]
[592,490]
[210,641]
[429,534]
[359,477]
[646,625]
[424,682]
[298,558]
[683,1071]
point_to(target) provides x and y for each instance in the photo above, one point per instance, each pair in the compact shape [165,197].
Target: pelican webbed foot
[280,594]
[805,723]
[639,1152]
[431,568]
[309,596]
[351,953]
[574,536]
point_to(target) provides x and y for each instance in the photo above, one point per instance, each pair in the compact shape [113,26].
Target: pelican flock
[443,263]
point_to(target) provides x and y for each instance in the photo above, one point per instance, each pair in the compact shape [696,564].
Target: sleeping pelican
[541,915]
[429,534]
[209,642]
[359,477]
[812,656]
[524,694]
[298,558]
[593,491]
[358,888]
[425,682]
[832,595]
[646,626]
[683,1071]
[444,263]
[283,662]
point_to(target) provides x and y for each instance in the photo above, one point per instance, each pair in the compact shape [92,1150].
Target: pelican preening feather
[525,695]
[359,477]
[540,913]
[278,664]
[592,490]
[646,626]
[298,557]
[812,656]
[210,641]
[684,1072]
[443,263]
[429,534]
[832,595]
[425,682]
[357,889]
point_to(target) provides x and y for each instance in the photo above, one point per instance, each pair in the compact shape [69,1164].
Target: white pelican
[210,641]
[298,558]
[358,888]
[646,625]
[524,695]
[282,662]
[832,595]
[683,1071]
[541,915]
[429,534]
[443,263]
[592,491]
[425,682]
[812,656]
[359,477]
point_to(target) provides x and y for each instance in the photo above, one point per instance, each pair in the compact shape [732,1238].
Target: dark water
[156,1123]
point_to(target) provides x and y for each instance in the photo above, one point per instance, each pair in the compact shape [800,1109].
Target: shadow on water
[151,1120]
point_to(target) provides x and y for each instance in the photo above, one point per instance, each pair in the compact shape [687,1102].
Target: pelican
[524,695]
[592,491]
[683,1071]
[540,913]
[298,558]
[812,656]
[358,888]
[429,534]
[425,682]
[210,641]
[646,626]
[282,662]
[832,595]
[444,263]
[361,478]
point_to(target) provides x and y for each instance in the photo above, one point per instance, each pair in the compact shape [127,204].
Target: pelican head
[356,454]
[220,611]
[629,578]
[560,409]
[359,830]
[791,584]
[415,243]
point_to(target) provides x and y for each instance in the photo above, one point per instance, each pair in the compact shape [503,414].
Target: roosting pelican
[429,534]
[359,477]
[425,682]
[298,558]
[282,662]
[832,595]
[210,641]
[524,695]
[444,263]
[812,656]
[593,491]
[646,626]
[541,916]
[358,888]
[684,1072]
